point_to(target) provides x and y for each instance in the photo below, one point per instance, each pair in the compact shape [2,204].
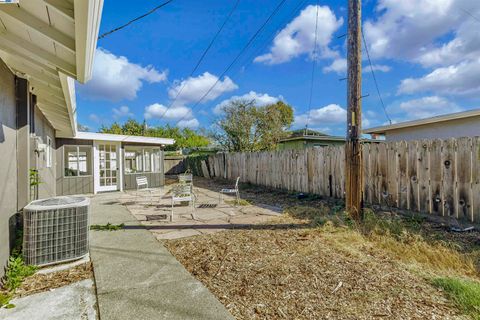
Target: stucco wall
[8,169]
[468,127]
[47,174]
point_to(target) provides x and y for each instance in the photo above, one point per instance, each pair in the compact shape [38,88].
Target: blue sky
[425,54]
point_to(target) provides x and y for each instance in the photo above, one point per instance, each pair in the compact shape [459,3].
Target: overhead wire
[133,20]
[312,79]
[375,79]
[201,58]
[247,45]
[250,59]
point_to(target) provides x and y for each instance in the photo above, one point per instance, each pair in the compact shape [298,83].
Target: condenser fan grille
[57,233]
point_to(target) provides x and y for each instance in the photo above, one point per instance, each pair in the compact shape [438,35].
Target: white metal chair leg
[171,212]
[193,209]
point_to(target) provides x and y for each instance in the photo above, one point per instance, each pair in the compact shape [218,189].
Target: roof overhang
[420,122]
[51,43]
[123,138]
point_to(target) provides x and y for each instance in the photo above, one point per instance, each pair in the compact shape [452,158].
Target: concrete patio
[210,215]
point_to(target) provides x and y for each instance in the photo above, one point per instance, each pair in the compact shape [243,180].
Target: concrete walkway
[75,301]
[137,278]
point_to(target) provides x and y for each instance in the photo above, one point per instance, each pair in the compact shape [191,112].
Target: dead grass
[308,273]
[321,265]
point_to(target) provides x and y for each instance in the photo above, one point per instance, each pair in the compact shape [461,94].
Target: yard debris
[339,285]
[293,266]
[467,229]
[44,282]
[269,274]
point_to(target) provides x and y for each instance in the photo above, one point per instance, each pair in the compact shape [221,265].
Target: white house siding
[467,127]
[8,157]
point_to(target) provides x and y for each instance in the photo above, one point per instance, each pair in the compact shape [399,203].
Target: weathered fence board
[440,177]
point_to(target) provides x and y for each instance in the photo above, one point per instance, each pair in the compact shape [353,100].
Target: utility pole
[353,148]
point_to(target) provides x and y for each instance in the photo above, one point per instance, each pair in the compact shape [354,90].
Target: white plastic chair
[231,191]
[181,193]
[142,185]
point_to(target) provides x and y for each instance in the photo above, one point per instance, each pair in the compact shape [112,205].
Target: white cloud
[428,107]
[157,111]
[191,123]
[298,37]
[330,114]
[410,29]
[338,66]
[194,88]
[260,99]
[121,112]
[115,78]
[94,118]
[376,67]
[460,79]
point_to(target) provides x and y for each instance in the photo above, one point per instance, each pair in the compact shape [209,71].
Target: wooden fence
[433,176]
[174,164]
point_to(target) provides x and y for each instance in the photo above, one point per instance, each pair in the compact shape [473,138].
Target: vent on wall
[55,230]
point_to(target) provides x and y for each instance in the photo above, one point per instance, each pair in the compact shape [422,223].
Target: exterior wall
[302,144]
[467,127]
[71,185]
[44,129]
[8,170]
[155,179]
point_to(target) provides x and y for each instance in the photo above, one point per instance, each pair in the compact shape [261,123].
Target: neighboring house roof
[426,121]
[51,43]
[122,138]
[313,138]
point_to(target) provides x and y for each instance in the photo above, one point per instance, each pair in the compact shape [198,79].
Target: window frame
[152,151]
[77,146]
[49,153]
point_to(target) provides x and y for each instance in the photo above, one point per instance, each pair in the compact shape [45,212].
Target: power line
[236,58]
[272,35]
[375,79]
[471,15]
[312,80]
[136,19]
[201,58]
[250,59]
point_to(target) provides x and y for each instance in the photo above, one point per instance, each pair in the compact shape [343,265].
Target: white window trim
[78,163]
[49,153]
[152,161]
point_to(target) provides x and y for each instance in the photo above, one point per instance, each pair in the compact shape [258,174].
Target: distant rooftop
[414,123]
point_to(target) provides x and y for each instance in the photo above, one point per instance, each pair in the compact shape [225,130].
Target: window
[142,159]
[49,153]
[77,161]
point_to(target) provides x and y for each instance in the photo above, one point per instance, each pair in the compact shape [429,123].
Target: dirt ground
[43,282]
[290,269]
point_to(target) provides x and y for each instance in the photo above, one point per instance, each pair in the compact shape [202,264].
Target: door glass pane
[108,165]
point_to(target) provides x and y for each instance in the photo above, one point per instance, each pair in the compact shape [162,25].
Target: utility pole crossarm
[353,148]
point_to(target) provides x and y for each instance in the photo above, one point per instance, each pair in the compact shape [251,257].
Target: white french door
[107,166]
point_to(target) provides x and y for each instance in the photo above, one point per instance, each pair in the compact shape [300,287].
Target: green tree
[115,128]
[247,127]
[274,120]
[184,138]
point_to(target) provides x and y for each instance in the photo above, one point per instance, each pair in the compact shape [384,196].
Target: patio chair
[180,193]
[187,178]
[142,185]
[231,191]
